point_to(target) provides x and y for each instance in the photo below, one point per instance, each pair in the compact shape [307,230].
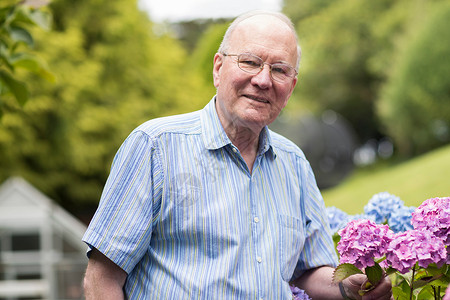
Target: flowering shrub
[382,206]
[434,215]
[415,246]
[410,245]
[362,241]
[400,220]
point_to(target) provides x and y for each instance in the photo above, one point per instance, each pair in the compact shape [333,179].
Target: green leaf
[26,61]
[390,271]
[16,87]
[401,291]
[19,34]
[33,64]
[343,271]
[434,270]
[426,293]
[41,18]
[399,294]
[374,274]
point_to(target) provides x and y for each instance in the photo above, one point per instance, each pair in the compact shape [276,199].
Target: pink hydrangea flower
[362,241]
[415,246]
[434,215]
[447,294]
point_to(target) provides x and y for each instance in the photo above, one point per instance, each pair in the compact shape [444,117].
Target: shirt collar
[214,135]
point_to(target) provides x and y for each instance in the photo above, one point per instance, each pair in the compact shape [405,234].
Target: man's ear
[218,61]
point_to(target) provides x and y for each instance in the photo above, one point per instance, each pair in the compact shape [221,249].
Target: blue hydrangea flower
[400,220]
[382,205]
[360,217]
[336,218]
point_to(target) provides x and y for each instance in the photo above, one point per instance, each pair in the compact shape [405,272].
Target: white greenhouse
[41,253]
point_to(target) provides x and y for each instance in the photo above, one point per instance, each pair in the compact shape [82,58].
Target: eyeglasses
[252,64]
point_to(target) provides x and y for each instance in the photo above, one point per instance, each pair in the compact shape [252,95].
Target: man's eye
[251,63]
[280,69]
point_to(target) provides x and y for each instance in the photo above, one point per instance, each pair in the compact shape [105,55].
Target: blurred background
[371,109]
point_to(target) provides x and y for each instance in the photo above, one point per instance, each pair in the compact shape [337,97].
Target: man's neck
[247,141]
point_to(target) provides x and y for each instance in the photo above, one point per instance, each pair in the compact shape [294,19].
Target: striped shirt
[184,217]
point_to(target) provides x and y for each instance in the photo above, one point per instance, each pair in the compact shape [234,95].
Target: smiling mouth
[258,99]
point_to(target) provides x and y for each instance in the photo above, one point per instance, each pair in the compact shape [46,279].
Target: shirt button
[234,150]
[259,259]
[256,219]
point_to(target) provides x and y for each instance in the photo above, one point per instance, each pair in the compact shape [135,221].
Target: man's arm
[103,279]
[318,285]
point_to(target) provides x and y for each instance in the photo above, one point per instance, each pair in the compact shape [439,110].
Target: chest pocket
[292,239]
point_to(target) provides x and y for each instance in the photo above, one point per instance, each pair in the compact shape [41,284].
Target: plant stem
[412,283]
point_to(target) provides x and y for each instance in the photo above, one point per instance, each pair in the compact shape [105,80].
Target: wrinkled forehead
[265,31]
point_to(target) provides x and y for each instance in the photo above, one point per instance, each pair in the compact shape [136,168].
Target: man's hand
[354,283]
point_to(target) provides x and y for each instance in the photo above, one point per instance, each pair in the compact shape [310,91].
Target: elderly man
[212,204]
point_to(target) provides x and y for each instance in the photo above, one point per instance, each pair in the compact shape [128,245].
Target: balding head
[255,16]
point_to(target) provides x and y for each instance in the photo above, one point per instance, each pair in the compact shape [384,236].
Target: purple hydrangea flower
[299,294]
[382,205]
[362,241]
[400,220]
[434,215]
[415,246]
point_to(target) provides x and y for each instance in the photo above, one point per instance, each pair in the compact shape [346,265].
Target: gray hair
[225,45]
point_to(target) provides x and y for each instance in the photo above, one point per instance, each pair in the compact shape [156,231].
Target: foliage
[203,54]
[418,259]
[113,73]
[337,42]
[115,69]
[352,48]
[16,41]
[414,104]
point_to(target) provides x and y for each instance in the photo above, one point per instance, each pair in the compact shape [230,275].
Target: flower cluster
[382,205]
[400,220]
[362,241]
[299,294]
[382,208]
[399,239]
[338,218]
[434,215]
[415,246]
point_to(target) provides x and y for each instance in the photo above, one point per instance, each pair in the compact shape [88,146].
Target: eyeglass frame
[262,66]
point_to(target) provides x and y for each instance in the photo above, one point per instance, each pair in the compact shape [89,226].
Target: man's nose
[263,78]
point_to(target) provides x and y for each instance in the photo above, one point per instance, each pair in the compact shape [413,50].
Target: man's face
[253,101]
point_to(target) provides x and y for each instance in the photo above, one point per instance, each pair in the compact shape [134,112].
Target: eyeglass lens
[253,64]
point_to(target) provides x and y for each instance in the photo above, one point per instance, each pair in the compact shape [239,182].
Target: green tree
[201,61]
[16,41]
[300,10]
[113,72]
[337,43]
[349,49]
[414,103]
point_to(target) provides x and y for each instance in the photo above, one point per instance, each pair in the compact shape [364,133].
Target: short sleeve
[319,247]
[122,226]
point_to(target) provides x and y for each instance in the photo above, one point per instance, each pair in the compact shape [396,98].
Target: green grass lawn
[414,181]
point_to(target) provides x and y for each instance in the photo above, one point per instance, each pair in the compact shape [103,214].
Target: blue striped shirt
[184,217]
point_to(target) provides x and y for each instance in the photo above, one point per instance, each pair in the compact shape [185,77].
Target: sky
[184,10]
